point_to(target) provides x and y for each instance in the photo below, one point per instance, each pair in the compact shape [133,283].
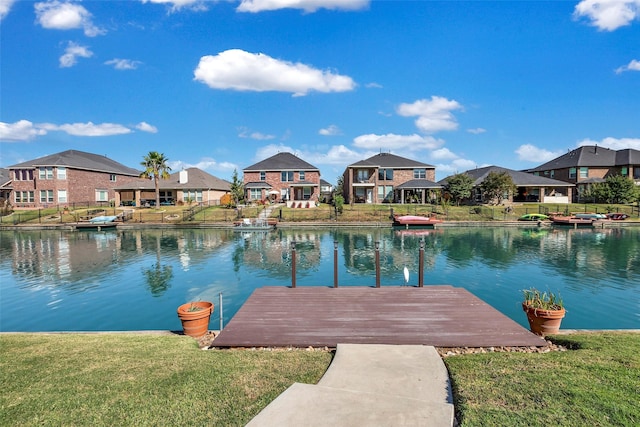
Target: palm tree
[155,166]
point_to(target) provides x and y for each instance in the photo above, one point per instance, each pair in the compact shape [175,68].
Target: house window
[62,196]
[263,176]
[102,195]
[584,172]
[24,196]
[45,172]
[385,192]
[419,174]
[301,175]
[23,174]
[112,177]
[363,175]
[61,172]
[46,196]
[624,171]
[552,174]
[255,193]
[306,193]
[385,174]
[572,173]
[286,176]
[193,195]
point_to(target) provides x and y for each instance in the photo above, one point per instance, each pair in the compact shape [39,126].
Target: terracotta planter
[195,323]
[543,322]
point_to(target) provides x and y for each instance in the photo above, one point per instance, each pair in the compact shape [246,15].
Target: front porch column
[137,197]
[542,194]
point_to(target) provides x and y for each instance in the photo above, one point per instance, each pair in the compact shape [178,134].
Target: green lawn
[138,379]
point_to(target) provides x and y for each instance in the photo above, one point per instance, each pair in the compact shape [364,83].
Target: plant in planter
[195,317]
[545,311]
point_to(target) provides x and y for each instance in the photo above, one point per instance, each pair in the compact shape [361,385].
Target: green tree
[496,185]
[459,186]
[237,188]
[620,189]
[156,168]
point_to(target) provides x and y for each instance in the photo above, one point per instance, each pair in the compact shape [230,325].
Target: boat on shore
[97,223]
[254,224]
[579,220]
[408,221]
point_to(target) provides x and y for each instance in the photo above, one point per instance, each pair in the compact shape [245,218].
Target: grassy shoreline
[155,379]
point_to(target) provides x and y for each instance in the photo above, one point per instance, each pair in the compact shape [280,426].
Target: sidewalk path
[369,385]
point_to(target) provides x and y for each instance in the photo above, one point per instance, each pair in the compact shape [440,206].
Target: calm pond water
[135,279]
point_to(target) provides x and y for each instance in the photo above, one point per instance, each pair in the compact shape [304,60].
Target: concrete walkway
[369,385]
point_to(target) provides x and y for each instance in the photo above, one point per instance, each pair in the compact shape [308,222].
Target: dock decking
[440,316]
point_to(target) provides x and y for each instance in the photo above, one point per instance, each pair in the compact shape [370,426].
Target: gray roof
[388,160]
[79,160]
[282,161]
[592,156]
[196,179]
[260,184]
[520,179]
[418,183]
[4,177]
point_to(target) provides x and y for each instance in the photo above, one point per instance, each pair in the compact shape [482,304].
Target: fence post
[293,264]
[335,263]
[377,244]
[421,264]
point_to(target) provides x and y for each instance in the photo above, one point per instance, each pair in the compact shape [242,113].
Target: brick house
[66,178]
[529,188]
[387,178]
[282,177]
[591,164]
[191,185]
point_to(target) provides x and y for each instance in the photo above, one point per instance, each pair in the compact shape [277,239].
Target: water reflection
[159,269]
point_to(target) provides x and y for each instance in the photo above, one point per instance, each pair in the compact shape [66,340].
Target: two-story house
[283,177]
[67,177]
[590,164]
[387,178]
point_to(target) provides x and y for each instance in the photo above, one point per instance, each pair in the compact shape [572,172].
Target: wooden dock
[440,316]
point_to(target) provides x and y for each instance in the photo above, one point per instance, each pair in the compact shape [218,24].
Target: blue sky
[220,85]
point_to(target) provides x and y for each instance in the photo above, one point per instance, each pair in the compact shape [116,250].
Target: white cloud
[5,7]
[71,54]
[206,163]
[634,65]
[395,142]
[146,127]
[239,70]
[22,130]
[331,130]
[531,153]
[373,85]
[308,6]
[66,15]
[89,129]
[433,115]
[272,150]
[175,5]
[457,166]
[613,143]
[246,133]
[336,155]
[608,15]
[443,154]
[123,64]
[476,131]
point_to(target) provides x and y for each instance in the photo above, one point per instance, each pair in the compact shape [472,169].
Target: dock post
[220,310]
[293,264]
[335,263]
[377,264]
[421,265]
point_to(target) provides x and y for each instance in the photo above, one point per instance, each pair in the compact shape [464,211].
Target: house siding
[81,186]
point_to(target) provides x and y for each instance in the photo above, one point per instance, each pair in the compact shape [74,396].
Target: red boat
[414,221]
